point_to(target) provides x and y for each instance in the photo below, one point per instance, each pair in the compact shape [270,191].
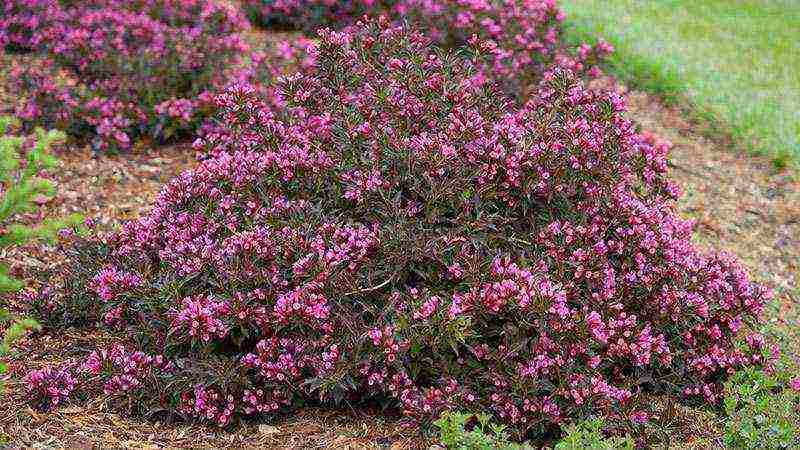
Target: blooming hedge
[114,71]
[399,231]
[526,32]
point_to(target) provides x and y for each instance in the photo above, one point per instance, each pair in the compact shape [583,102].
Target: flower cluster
[110,282]
[201,318]
[209,404]
[123,370]
[398,231]
[50,387]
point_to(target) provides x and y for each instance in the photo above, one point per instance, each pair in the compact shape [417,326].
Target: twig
[689,171]
[370,289]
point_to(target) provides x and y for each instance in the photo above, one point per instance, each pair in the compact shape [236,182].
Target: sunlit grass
[737,62]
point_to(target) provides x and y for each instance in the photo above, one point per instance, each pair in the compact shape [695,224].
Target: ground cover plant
[762,411]
[398,208]
[726,61]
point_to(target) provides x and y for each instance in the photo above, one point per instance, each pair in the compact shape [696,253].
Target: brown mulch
[740,203]
[108,189]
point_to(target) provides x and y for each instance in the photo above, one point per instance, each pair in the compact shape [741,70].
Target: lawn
[736,62]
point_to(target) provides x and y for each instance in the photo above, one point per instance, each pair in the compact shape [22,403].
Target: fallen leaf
[268,429]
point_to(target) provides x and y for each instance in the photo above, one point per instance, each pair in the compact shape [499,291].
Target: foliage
[20,186]
[588,435]
[762,411]
[484,435]
[17,328]
[397,208]
[468,432]
[525,33]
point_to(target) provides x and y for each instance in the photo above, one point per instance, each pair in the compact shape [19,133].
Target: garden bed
[740,203]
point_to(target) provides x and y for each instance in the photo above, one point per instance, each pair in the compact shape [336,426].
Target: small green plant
[20,186]
[762,413]
[588,435]
[476,432]
[453,433]
[18,328]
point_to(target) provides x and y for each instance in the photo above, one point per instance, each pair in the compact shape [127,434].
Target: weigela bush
[526,32]
[116,70]
[399,232]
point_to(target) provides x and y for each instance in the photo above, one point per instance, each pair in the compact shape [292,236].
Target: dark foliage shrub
[114,71]
[526,32]
[399,232]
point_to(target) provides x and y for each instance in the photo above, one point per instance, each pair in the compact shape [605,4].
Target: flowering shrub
[526,32]
[21,20]
[399,231]
[116,70]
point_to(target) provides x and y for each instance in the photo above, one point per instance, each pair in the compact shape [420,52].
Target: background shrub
[398,208]
[115,71]
[526,32]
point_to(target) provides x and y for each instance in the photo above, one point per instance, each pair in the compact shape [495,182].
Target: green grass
[736,62]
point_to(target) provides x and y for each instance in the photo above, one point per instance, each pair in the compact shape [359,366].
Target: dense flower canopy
[398,230]
[525,33]
[114,72]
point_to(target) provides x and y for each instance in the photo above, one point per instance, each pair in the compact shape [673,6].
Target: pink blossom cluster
[20,20]
[110,282]
[202,317]
[523,260]
[122,370]
[209,404]
[50,387]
